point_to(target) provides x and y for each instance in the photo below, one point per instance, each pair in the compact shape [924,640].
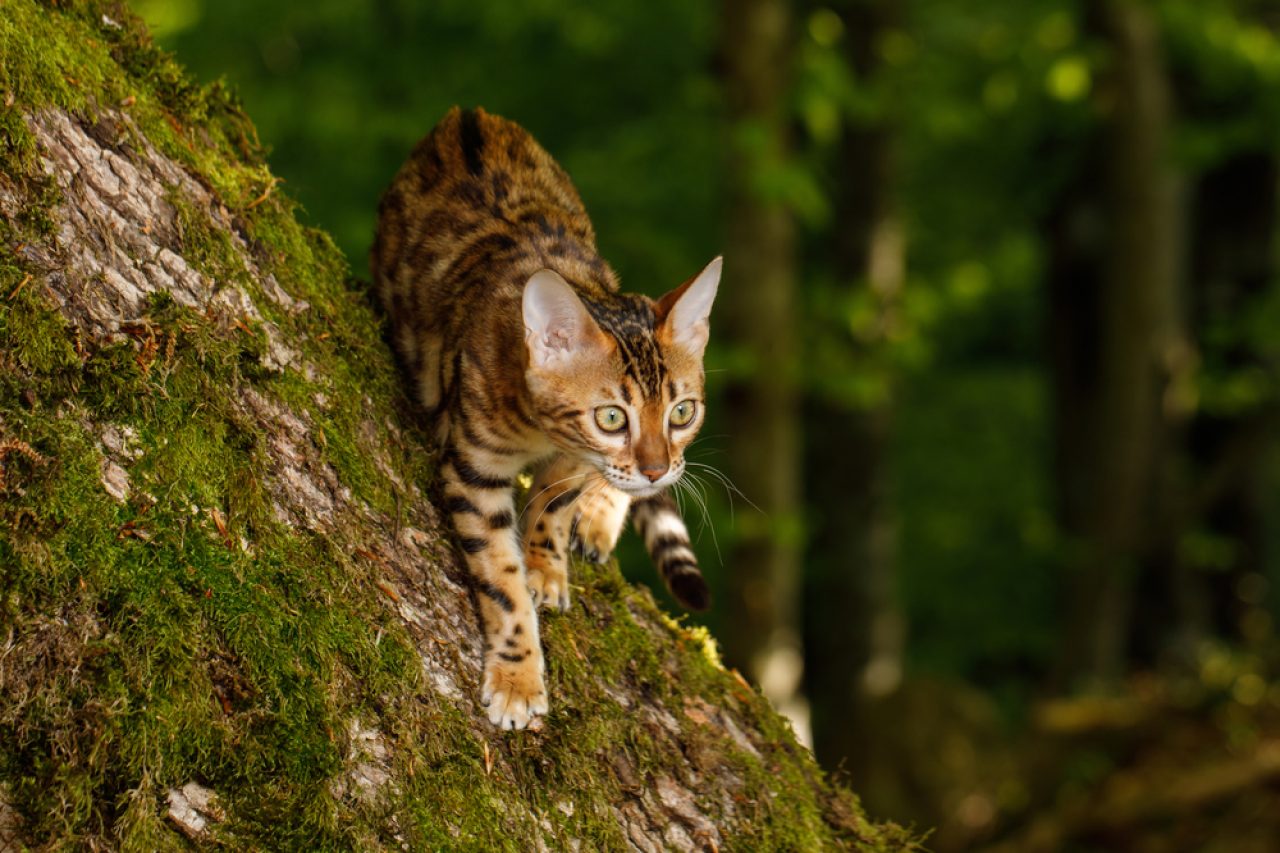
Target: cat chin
[643,492]
[638,491]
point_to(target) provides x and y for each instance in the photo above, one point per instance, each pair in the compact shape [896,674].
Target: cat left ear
[557,326]
[685,311]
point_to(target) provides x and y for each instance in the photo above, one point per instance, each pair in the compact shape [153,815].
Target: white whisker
[729,486]
[693,485]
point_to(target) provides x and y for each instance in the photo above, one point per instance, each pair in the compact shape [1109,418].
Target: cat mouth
[642,490]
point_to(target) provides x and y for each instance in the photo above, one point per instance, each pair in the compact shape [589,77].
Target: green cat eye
[683,413]
[610,418]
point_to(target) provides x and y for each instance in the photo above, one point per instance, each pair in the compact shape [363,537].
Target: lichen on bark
[229,613]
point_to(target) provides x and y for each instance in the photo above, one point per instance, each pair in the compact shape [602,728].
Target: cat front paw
[514,691]
[594,531]
[548,580]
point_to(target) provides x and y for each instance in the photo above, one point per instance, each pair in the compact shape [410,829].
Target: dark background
[994,365]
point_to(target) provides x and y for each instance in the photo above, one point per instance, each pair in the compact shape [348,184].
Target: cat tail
[658,522]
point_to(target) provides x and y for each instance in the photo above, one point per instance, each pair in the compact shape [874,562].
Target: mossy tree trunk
[229,613]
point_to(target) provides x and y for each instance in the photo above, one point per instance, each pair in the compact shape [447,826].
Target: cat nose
[655,473]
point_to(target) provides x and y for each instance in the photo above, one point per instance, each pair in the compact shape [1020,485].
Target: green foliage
[978,562]
[345,90]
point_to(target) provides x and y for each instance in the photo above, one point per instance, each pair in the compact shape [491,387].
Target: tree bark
[757,321]
[229,612]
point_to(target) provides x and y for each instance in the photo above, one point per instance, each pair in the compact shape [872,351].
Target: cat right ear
[557,327]
[684,311]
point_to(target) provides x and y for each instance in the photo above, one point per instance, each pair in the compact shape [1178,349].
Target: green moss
[31,335]
[185,621]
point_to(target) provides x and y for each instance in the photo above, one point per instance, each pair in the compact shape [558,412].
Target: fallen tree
[229,613]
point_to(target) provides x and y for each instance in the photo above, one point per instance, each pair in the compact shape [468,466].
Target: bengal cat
[517,342]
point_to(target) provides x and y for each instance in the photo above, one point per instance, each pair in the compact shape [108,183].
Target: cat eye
[683,413]
[610,418]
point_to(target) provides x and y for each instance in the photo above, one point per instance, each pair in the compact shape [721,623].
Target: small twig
[20,447]
[26,278]
[389,590]
[271,185]
[221,523]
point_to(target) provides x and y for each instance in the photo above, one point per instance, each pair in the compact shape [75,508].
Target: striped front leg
[478,498]
[558,487]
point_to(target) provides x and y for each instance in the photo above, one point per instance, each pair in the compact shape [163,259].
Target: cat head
[618,383]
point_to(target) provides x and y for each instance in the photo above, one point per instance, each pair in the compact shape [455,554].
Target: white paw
[514,692]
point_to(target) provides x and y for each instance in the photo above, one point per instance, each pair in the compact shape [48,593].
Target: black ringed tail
[666,538]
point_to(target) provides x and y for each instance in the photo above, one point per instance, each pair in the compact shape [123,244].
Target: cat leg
[598,518]
[556,489]
[478,497]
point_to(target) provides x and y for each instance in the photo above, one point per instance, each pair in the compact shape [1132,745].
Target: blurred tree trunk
[1117,342]
[757,316]
[1234,262]
[850,603]
[1235,265]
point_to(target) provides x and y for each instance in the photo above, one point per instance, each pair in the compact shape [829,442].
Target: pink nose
[655,474]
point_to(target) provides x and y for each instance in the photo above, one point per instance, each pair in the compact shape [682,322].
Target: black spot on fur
[680,565]
[472,141]
[496,595]
[472,477]
[472,194]
[561,500]
[666,544]
[457,504]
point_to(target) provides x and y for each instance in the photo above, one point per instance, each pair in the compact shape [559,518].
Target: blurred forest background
[995,366]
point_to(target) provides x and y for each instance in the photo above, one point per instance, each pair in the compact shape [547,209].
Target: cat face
[620,384]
